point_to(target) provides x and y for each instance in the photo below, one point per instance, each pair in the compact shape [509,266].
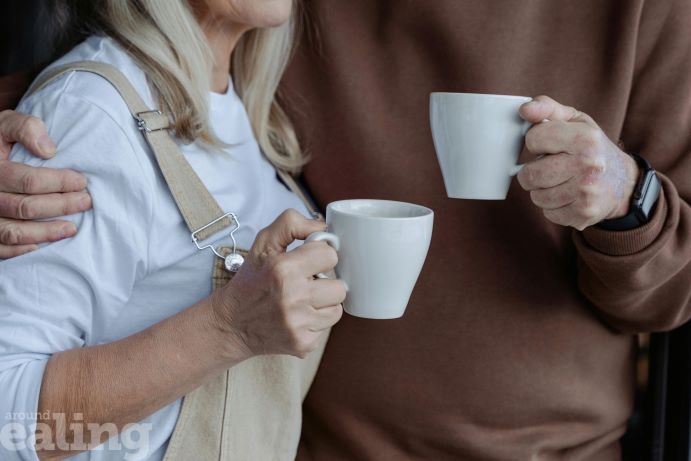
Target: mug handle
[516,168]
[328,237]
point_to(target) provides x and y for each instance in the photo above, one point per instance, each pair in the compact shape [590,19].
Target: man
[518,341]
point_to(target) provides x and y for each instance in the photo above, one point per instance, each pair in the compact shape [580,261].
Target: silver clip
[234,260]
[141,121]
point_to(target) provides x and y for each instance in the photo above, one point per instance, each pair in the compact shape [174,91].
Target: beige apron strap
[196,204]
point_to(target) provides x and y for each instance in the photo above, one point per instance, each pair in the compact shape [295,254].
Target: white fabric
[132,263]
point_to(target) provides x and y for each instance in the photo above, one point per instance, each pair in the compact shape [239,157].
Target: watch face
[646,196]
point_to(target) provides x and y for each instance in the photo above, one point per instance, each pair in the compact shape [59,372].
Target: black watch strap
[643,201]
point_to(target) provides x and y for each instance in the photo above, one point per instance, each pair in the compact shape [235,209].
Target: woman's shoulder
[90,88]
[82,109]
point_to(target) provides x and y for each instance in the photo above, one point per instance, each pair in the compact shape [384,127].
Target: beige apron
[253,411]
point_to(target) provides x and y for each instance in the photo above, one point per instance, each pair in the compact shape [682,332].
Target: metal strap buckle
[141,121]
[234,260]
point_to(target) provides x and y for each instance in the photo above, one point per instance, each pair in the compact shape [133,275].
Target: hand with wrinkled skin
[274,304]
[28,193]
[578,177]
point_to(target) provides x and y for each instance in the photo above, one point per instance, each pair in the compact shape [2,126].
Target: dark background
[27,37]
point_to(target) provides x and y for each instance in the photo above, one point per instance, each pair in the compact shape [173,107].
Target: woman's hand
[28,193]
[275,305]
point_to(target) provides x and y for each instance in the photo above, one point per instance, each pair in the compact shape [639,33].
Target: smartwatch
[643,201]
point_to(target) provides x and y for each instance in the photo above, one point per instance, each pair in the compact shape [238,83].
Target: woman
[115,325]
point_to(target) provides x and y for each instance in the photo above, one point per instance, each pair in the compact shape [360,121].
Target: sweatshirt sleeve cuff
[623,243]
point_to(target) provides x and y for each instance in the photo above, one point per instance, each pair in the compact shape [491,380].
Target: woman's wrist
[225,336]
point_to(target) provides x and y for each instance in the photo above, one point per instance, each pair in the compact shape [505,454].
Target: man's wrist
[643,200]
[632,174]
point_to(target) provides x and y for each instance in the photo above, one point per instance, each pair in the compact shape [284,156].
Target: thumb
[287,228]
[543,108]
[26,130]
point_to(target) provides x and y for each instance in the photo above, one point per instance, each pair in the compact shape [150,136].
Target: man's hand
[28,193]
[578,176]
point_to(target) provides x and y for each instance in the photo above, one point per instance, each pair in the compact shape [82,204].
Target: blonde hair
[164,37]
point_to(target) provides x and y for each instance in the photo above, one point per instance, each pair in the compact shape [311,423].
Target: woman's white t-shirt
[132,263]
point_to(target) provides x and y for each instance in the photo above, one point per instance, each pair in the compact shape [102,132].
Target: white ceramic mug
[381,246]
[478,138]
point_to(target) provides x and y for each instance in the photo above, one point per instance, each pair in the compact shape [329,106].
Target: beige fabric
[253,411]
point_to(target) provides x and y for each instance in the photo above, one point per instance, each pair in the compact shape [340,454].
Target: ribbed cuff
[623,243]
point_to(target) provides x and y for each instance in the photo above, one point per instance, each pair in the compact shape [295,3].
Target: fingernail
[77,181]
[46,145]
[85,202]
[82,182]
[68,230]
